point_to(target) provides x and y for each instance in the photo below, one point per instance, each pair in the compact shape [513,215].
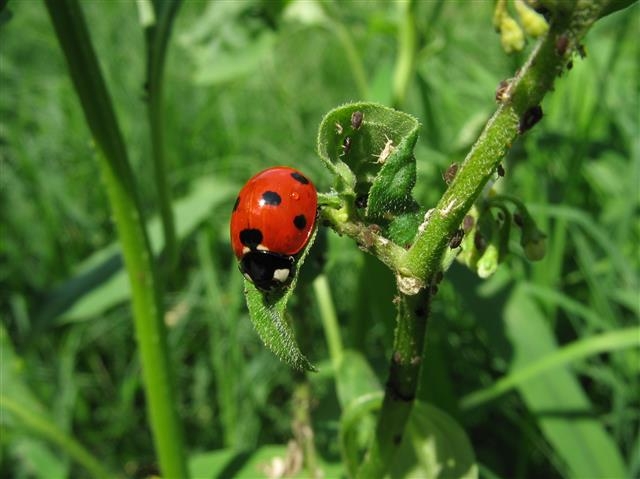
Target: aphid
[456,239]
[386,151]
[356,119]
[502,92]
[346,145]
[562,43]
[532,116]
[450,173]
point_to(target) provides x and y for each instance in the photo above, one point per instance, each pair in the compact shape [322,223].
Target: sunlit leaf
[264,462]
[434,446]
[577,435]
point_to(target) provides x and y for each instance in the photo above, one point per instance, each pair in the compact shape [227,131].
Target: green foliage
[269,316]
[526,362]
[369,148]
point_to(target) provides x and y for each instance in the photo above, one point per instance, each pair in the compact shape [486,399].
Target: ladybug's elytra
[272,221]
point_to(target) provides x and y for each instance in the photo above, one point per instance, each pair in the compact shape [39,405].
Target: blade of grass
[577,350]
[556,399]
[43,427]
[329,319]
[157,37]
[71,31]
[17,399]
[225,355]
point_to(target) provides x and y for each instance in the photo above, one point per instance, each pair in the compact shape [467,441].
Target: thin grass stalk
[157,37]
[71,31]
[222,359]
[329,320]
[581,349]
[407,48]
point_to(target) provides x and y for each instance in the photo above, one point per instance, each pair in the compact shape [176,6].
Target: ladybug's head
[267,270]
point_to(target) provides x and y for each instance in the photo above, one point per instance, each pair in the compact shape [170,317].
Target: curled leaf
[369,148]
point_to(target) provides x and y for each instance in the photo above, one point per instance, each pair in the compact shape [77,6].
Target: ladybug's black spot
[235,206]
[251,238]
[300,222]
[271,198]
[298,177]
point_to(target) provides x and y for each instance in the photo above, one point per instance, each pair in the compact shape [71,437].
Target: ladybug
[272,221]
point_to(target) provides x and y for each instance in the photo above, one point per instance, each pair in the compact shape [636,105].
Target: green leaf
[359,393]
[38,460]
[252,465]
[434,446]
[373,160]
[355,378]
[581,441]
[579,349]
[380,127]
[269,318]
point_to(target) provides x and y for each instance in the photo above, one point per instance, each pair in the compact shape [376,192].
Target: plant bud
[534,24]
[511,35]
[534,245]
[488,262]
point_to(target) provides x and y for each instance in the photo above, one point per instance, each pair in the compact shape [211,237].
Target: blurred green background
[247,83]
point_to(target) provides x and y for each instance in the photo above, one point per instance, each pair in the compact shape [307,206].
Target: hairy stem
[402,384]
[368,238]
[519,103]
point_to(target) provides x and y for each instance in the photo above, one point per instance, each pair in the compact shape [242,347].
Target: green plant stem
[368,238]
[353,57]
[157,37]
[526,90]
[303,428]
[51,432]
[222,356]
[575,351]
[407,46]
[89,84]
[329,319]
[400,392]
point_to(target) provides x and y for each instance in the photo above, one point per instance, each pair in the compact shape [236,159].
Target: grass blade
[563,410]
[71,31]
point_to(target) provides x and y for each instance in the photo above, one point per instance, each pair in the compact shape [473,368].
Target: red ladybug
[272,221]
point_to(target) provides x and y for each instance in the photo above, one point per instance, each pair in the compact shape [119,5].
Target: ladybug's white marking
[281,275]
[245,250]
[262,247]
